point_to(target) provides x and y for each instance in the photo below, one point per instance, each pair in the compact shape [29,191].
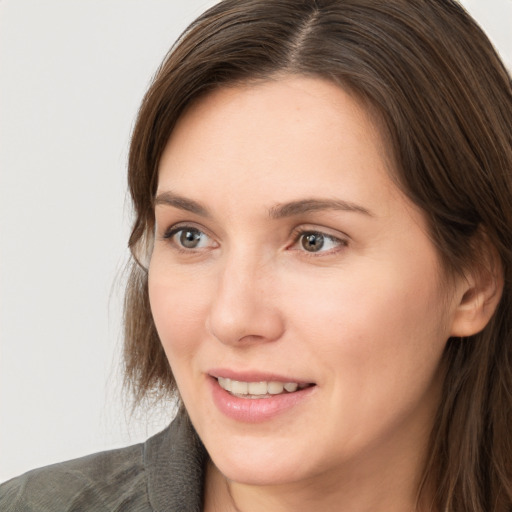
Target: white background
[72,74]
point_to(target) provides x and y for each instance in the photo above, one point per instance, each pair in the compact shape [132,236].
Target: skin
[365,318]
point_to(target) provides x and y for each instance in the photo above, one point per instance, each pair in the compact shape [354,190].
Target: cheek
[386,321]
[379,348]
[178,306]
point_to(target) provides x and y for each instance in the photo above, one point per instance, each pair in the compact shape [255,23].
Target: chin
[258,475]
[260,466]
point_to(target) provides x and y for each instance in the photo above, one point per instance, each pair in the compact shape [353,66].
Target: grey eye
[189,238]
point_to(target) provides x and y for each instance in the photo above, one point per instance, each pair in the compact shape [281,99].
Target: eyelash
[297,235]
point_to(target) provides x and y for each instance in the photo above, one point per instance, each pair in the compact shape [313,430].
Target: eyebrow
[279,211]
[182,203]
[303,206]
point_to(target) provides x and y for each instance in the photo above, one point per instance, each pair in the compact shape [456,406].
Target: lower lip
[256,410]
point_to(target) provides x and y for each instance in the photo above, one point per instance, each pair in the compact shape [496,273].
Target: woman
[322,268]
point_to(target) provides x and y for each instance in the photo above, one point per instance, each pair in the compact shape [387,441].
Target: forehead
[292,127]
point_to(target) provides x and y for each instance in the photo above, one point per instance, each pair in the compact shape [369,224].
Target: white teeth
[255,389]
[274,388]
[225,383]
[239,388]
[291,387]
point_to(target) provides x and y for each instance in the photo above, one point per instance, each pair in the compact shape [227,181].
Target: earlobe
[478,298]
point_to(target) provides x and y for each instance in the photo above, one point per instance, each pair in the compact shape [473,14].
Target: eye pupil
[189,238]
[313,242]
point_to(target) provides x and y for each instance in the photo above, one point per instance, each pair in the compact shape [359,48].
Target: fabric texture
[164,474]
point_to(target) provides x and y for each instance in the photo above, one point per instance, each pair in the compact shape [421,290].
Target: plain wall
[72,74]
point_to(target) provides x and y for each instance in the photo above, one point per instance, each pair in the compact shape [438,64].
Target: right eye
[187,237]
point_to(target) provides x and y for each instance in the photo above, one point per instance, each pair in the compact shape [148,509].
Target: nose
[245,306]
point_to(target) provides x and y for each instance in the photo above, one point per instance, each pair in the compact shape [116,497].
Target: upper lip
[254,376]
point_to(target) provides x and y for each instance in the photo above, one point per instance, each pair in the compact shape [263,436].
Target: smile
[258,389]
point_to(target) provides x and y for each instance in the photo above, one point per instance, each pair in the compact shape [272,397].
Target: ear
[478,293]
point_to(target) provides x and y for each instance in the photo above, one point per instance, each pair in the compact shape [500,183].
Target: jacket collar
[175,461]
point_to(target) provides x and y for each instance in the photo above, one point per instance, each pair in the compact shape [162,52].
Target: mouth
[261,389]
[256,397]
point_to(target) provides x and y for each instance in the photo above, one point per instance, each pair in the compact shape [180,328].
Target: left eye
[315,241]
[189,238]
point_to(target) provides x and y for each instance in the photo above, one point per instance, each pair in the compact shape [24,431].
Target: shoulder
[106,481]
[165,473]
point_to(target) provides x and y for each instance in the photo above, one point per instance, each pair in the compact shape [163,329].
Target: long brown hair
[445,100]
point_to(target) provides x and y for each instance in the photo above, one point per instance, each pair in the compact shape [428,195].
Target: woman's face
[295,289]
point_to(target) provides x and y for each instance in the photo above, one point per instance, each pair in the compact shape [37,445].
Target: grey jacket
[163,474]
